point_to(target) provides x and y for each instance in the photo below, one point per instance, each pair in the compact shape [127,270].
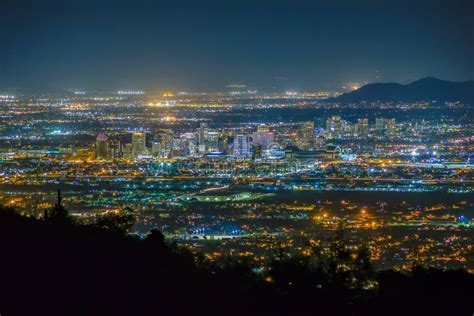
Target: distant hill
[426,89]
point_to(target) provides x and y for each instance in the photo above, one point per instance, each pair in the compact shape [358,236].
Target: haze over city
[206,45]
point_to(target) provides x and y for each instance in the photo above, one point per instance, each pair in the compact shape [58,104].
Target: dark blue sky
[205,45]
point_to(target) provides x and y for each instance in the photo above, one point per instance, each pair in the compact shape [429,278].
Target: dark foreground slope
[57,268]
[427,89]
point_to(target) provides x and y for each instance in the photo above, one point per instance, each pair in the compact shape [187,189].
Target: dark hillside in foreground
[58,268]
[426,89]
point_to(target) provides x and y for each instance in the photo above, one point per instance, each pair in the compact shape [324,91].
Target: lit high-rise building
[208,140]
[379,126]
[263,139]
[156,148]
[241,146]
[333,126]
[188,145]
[305,138]
[362,128]
[390,127]
[127,151]
[114,149]
[211,141]
[223,142]
[256,151]
[347,129]
[202,132]
[165,138]
[102,147]
[139,144]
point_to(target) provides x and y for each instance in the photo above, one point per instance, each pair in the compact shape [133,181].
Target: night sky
[204,45]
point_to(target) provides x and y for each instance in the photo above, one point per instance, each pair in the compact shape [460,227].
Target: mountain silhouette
[426,89]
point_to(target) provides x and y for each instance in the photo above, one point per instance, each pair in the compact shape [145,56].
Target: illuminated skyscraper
[241,146]
[333,126]
[379,126]
[391,127]
[263,139]
[156,148]
[362,128]
[114,149]
[202,132]
[211,140]
[101,147]
[256,151]
[306,136]
[138,144]
[188,144]
[127,151]
[165,138]
[223,142]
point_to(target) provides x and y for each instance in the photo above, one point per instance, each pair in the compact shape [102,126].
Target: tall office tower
[256,151]
[114,149]
[193,146]
[156,148]
[202,131]
[165,138]
[188,145]
[139,144]
[285,138]
[362,127]
[175,147]
[223,142]
[391,128]
[211,141]
[101,147]
[263,139]
[347,129]
[241,146]
[201,149]
[379,126]
[306,136]
[333,126]
[127,151]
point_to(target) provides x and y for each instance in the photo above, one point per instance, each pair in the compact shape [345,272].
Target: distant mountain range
[426,89]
